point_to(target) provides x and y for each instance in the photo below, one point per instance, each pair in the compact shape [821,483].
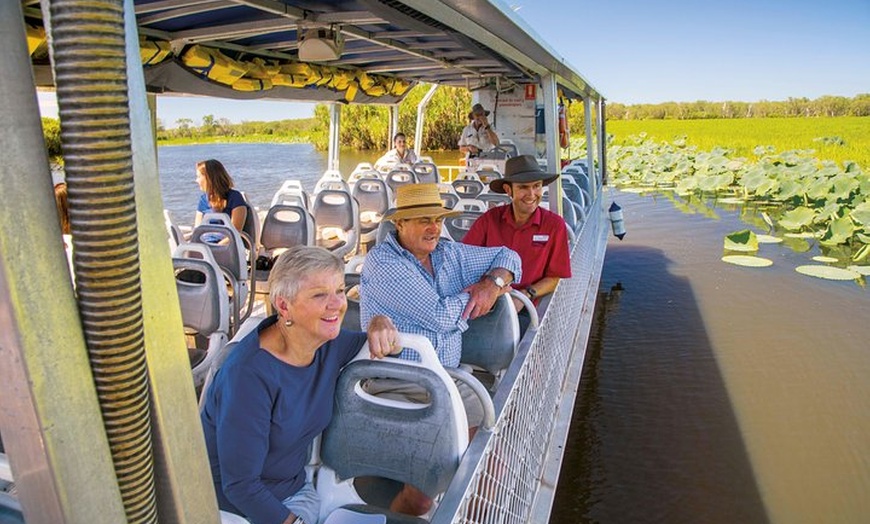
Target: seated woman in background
[218,194]
[275,391]
[398,155]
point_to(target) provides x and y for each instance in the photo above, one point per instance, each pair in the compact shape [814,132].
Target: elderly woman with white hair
[275,391]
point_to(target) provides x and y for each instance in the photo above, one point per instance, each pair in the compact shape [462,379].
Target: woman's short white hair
[297,263]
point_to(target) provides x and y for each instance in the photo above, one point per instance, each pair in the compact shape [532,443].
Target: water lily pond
[810,206]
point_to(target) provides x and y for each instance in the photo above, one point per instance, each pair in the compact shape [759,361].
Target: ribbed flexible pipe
[90,71]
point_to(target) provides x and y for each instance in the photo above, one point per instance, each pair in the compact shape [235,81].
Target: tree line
[825,106]
[365,127]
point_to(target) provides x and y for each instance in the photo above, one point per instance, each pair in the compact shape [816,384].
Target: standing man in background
[478,135]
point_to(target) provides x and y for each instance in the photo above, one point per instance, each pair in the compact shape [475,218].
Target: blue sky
[641,51]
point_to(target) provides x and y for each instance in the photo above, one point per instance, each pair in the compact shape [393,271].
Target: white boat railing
[500,477]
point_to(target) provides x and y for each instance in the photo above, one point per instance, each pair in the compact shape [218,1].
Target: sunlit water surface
[714,393]
[711,393]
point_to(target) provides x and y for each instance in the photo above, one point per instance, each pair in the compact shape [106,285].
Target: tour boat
[98,415]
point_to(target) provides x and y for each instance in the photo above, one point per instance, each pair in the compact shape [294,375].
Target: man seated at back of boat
[478,135]
[537,234]
[430,288]
[400,154]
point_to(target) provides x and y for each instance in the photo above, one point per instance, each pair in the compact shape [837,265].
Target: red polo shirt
[542,242]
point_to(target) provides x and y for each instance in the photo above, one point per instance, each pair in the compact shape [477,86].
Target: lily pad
[803,234]
[824,260]
[797,218]
[731,200]
[768,239]
[747,261]
[744,240]
[828,272]
[863,270]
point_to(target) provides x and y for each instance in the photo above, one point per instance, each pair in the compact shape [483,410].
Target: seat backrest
[491,341]
[285,226]
[471,204]
[372,195]
[488,172]
[292,193]
[494,199]
[336,209]
[427,440]
[332,180]
[351,319]
[458,225]
[468,187]
[251,226]
[202,292]
[225,243]
[399,176]
[386,227]
[426,172]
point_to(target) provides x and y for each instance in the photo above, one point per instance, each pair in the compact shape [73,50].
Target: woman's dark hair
[217,183]
[60,198]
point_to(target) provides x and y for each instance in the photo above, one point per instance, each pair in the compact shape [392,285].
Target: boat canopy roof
[365,51]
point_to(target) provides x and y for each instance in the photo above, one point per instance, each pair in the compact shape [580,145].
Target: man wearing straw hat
[478,135]
[538,235]
[430,288]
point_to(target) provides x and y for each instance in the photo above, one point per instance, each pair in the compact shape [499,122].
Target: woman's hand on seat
[383,337]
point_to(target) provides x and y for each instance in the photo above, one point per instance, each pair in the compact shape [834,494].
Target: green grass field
[742,135]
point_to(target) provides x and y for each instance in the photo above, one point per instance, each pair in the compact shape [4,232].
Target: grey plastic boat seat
[449,200]
[423,450]
[487,173]
[386,227]
[291,192]
[285,226]
[400,176]
[228,249]
[223,352]
[205,308]
[426,173]
[471,204]
[494,199]
[351,319]
[373,197]
[332,180]
[363,514]
[336,210]
[468,188]
[491,341]
[458,225]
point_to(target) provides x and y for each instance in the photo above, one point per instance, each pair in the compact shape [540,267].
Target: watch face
[499,281]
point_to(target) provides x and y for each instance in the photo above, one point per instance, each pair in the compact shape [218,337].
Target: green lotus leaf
[861,213]
[828,272]
[862,270]
[743,240]
[831,211]
[843,187]
[687,184]
[824,260]
[863,238]
[790,188]
[862,253]
[820,188]
[747,261]
[797,218]
[798,245]
[802,234]
[768,239]
[839,231]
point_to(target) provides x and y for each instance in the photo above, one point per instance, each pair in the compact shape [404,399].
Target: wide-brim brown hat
[418,200]
[521,169]
[477,108]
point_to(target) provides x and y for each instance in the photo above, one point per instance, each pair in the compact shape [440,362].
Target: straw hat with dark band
[477,108]
[521,169]
[418,200]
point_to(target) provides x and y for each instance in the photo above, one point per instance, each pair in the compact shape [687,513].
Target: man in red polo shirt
[538,235]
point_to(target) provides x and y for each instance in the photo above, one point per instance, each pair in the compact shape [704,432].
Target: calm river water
[711,393]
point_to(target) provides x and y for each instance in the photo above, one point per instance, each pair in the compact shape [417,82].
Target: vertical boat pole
[551,134]
[49,414]
[602,139]
[421,113]
[590,150]
[334,135]
[394,125]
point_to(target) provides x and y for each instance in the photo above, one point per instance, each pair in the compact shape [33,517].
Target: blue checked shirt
[394,283]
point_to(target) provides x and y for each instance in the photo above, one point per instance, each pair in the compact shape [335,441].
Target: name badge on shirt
[540,238]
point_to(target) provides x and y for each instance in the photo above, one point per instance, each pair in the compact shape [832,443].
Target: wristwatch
[498,280]
[532,292]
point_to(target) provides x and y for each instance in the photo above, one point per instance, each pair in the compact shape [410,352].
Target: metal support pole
[551,133]
[394,124]
[590,147]
[334,137]
[602,139]
[49,415]
[421,113]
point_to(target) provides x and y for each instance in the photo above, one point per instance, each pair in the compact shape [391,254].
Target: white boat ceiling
[465,43]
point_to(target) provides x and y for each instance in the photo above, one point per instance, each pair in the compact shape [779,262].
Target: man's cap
[418,200]
[521,169]
[477,108]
